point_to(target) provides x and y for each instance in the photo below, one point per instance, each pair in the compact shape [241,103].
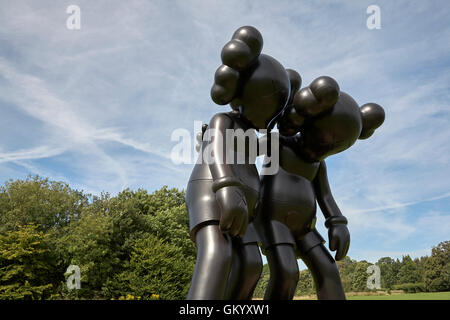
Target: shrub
[410,287]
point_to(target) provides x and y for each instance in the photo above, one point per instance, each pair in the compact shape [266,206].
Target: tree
[87,244]
[137,244]
[156,268]
[47,204]
[24,264]
[409,271]
[437,268]
[165,198]
[134,214]
[103,240]
[388,272]
[263,281]
[360,276]
[346,270]
[172,225]
[305,283]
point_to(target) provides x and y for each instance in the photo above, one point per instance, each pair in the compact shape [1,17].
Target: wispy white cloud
[32,96]
[402,205]
[39,152]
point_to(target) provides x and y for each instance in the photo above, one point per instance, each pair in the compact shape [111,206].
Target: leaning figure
[319,121]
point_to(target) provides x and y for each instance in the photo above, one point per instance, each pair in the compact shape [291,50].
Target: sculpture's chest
[293,164]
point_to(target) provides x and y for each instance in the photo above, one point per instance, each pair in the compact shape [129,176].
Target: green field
[406,296]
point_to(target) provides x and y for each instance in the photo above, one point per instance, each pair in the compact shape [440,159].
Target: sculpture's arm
[261,141]
[336,223]
[215,150]
[226,185]
[323,193]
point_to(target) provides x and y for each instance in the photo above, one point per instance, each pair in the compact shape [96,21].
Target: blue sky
[96,107]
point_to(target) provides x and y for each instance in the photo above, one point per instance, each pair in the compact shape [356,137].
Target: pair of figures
[232,209]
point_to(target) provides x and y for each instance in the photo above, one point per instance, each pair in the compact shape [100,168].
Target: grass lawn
[406,296]
[394,296]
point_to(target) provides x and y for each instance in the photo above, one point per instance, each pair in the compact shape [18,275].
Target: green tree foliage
[171,225]
[437,268]
[346,269]
[360,276]
[88,245]
[137,244]
[51,206]
[99,234]
[410,287]
[389,269]
[104,240]
[156,267]
[409,271]
[45,203]
[262,283]
[24,264]
[305,283]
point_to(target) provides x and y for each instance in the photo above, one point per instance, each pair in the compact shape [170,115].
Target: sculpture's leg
[213,264]
[246,268]
[283,272]
[325,273]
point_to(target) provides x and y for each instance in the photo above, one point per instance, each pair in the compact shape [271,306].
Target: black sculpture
[279,210]
[319,121]
[221,197]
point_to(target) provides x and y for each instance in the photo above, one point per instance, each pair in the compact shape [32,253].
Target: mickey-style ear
[243,49]
[372,116]
[237,55]
[296,83]
[320,96]
[225,84]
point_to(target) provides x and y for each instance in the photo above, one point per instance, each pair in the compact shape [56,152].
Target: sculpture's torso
[200,199]
[289,196]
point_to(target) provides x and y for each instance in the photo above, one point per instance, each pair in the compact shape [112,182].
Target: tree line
[424,274]
[136,245]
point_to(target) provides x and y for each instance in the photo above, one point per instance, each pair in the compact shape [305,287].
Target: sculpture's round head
[255,84]
[328,126]
[338,129]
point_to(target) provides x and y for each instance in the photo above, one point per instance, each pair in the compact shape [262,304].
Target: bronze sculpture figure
[321,121]
[220,196]
[232,209]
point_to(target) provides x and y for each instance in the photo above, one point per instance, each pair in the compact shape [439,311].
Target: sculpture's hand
[234,212]
[339,238]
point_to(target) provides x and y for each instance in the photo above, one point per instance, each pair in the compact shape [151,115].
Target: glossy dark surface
[231,209]
[220,197]
[321,121]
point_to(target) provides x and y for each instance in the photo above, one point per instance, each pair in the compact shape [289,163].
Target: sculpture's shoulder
[221,120]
